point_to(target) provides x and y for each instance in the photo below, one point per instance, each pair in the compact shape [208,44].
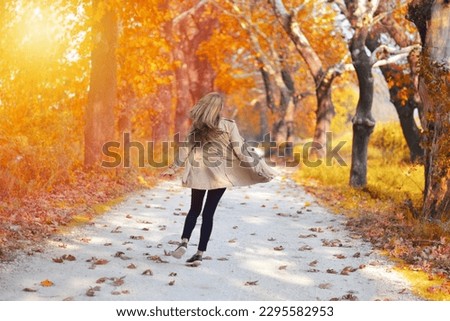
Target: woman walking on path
[214,157]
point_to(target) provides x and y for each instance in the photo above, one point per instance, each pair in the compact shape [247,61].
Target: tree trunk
[401,81]
[99,127]
[195,75]
[432,19]
[324,115]
[363,122]
[325,108]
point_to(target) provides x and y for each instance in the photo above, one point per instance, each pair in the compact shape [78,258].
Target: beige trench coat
[223,163]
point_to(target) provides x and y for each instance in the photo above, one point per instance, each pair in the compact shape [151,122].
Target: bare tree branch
[188,12]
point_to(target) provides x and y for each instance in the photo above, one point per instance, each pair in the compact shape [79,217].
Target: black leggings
[212,199]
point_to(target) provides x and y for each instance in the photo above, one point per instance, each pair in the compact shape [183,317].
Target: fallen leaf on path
[340,256]
[47,283]
[235,227]
[305,248]
[283,214]
[29,290]
[101,280]
[222,259]
[122,255]
[316,229]
[305,236]
[362,266]
[68,257]
[116,230]
[349,297]
[313,263]
[57,260]
[357,254]
[271,239]
[282,267]
[107,244]
[129,216]
[115,292]
[331,243]
[313,270]
[147,272]
[307,204]
[125,292]
[173,274]
[157,259]
[279,248]
[325,285]
[118,281]
[131,266]
[207,258]
[146,229]
[331,271]
[347,270]
[90,292]
[355,236]
[172,282]
[85,240]
[69,298]
[250,283]
[101,262]
[232,241]
[136,237]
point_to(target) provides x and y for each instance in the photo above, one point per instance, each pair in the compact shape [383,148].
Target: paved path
[270,242]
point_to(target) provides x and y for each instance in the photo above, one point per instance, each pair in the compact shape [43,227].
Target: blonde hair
[205,117]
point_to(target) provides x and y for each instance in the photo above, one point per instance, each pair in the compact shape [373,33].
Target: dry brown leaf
[29,290]
[305,248]
[147,272]
[101,280]
[331,271]
[131,266]
[136,237]
[173,274]
[68,257]
[157,259]
[282,267]
[129,216]
[313,270]
[107,244]
[279,248]
[251,283]
[101,262]
[125,292]
[222,259]
[362,266]
[58,260]
[47,283]
[305,236]
[90,292]
[340,256]
[118,281]
[232,241]
[115,292]
[172,282]
[357,254]
[350,297]
[325,285]
[313,263]
[85,240]
[316,229]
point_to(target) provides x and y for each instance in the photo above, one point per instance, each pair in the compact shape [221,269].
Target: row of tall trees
[138,67]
